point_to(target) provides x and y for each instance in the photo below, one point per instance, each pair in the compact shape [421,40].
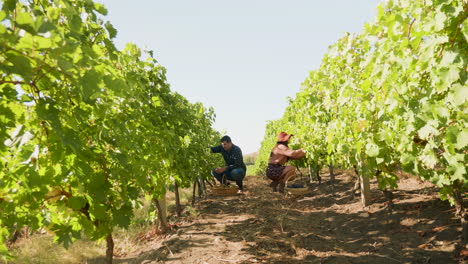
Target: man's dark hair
[226,138]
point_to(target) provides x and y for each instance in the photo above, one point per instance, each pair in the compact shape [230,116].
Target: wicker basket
[297,191]
[224,190]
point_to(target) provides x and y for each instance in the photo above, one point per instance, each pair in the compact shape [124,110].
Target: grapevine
[392,97]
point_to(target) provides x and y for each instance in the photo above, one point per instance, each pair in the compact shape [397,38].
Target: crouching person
[234,169]
[280,154]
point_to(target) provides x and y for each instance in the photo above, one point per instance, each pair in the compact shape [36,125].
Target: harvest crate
[223,190]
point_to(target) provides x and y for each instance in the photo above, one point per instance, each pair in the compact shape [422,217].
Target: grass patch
[250,170]
[41,249]
[185,196]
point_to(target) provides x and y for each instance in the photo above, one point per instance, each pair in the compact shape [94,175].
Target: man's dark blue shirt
[233,157]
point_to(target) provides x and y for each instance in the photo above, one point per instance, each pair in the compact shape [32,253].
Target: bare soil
[328,225]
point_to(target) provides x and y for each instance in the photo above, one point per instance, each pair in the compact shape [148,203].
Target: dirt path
[328,225]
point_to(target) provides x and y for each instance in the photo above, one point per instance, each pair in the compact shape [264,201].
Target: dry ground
[329,225]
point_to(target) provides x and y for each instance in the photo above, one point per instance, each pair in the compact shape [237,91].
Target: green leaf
[156,101]
[63,234]
[10,5]
[451,135]
[53,12]
[46,27]
[75,23]
[459,172]
[34,179]
[4,234]
[70,138]
[428,158]
[407,158]
[441,112]
[448,58]
[462,139]
[98,211]
[47,111]
[8,92]
[77,203]
[26,42]
[5,115]
[372,150]
[133,193]
[2,15]
[116,85]
[100,9]
[89,83]
[112,31]
[450,74]
[429,130]
[460,94]
[122,216]
[22,66]
[440,19]
[24,18]
[42,43]
[26,98]
[64,63]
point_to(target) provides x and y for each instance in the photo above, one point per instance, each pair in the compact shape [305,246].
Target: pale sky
[243,58]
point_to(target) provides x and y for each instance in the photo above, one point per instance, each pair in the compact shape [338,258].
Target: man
[235,169]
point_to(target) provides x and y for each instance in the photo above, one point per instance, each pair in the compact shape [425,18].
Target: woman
[280,154]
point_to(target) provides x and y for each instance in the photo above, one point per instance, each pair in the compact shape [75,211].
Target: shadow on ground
[329,225]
